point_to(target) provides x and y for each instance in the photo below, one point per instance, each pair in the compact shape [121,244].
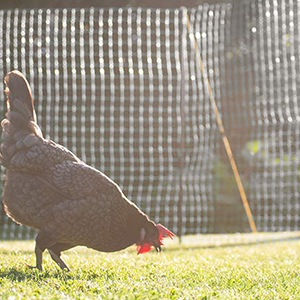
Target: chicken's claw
[34,267]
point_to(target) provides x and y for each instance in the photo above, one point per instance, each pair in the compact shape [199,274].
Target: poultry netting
[122,88]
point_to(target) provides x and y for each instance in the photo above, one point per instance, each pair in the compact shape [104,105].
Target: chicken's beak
[157,248]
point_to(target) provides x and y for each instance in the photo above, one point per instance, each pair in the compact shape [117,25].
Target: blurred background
[122,88]
[102,3]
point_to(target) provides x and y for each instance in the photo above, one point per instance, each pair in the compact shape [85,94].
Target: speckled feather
[47,187]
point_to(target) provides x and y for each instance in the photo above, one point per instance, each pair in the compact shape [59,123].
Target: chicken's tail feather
[20,118]
[19,97]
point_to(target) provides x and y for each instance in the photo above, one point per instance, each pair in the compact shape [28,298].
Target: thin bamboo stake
[224,137]
[182,148]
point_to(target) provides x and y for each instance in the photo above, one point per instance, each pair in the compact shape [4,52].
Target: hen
[48,188]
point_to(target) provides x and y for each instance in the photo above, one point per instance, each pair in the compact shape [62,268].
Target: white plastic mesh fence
[122,88]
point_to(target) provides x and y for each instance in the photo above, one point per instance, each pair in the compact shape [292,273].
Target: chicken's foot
[39,259]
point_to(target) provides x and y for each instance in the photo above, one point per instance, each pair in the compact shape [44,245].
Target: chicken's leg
[55,252]
[58,260]
[42,241]
[39,259]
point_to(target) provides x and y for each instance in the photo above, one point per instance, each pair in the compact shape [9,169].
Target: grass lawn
[193,270]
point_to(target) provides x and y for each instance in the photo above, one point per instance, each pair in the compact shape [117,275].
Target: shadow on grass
[14,274]
[25,274]
[20,275]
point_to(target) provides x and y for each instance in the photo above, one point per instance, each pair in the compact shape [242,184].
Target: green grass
[197,269]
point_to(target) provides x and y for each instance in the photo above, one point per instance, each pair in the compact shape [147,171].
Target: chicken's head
[152,236]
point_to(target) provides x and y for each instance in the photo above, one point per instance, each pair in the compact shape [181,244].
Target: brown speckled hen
[48,188]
